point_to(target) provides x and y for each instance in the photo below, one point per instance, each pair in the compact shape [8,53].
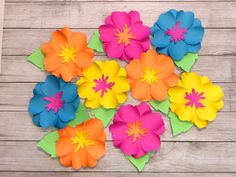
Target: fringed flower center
[103,85]
[135,130]
[149,75]
[81,139]
[55,102]
[194,99]
[67,53]
[176,33]
[124,36]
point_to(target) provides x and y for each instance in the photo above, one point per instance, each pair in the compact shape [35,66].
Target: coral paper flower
[196,99]
[66,55]
[54,103]
[136,130]
[103,84]
[82,145]
[177,33]
[151,76]
[124,36]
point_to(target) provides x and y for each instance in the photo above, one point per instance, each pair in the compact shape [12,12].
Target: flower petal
[67,113]
[37,104]
[185,113]
[128,113]
[134,16]
[107,33]
[186,19]
[212,92]
[159,91]
[120,19]
[64,146]
[206,113]
[48,118]
[140,90]
[84,59]
[58,39]
[191,80]
[177,95]
[51,86]
[121,85]
[97,150]
[160,39]
[166,20]
[200,123]
[92,72]
[128,147]
[78,40]
[86,90]
[118,130]
[143,108]
[52,62]
[106,68]
[134,69]
[93,104]
[108,100]
[194,35]
[150,137]
[114,50]
[134,50]
[69,92]
[177,50]
[140,31]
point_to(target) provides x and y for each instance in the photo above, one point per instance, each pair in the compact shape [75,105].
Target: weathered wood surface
[2,3]
[29,23]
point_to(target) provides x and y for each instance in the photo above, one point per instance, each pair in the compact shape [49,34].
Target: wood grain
[25,130]
[75,14]
[2,3]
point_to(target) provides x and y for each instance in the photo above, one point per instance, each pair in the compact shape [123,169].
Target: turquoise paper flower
[177,33]
[54,103]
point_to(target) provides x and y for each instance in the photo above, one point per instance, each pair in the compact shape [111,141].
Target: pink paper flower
[136,130]
[124,36]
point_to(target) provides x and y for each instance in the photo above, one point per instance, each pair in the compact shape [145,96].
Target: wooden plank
[206,65]
[222,129]
[113,174]
[172,157]
[15,96]
[25,41]
[75,14]
[20,1]
[2,3]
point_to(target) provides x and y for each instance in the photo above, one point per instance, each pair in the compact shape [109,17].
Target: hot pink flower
[136,130]
[124,36]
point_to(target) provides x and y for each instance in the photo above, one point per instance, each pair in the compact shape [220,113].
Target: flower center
[135,130]
[194,99]
[124,36]
[67,53]
[55,102]
[81,139]
[149,75]
[176,33]
[103,85]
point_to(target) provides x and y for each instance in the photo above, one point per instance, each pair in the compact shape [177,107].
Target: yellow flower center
[149,75]
[67,53]
[81,139]
[125,36]
[135,130]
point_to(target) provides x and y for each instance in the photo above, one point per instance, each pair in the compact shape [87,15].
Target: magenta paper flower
[124,36]
[136,130]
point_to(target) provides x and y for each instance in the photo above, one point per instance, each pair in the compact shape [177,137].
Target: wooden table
[28,23]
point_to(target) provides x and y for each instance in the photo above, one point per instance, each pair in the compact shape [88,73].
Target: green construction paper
[187,62]
[105,115]
[162,106]
[140,163]
[48,143]
[95,43]
[81,115]
[177,125]
[37,58]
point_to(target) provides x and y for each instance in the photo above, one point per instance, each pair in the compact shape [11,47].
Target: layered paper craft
[103,84]
[124,36]
[162,106]
[95,43]
[140,163]
[187,62]
[37,58]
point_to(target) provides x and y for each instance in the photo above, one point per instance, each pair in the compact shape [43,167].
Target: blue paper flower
[54,103]
[177,33]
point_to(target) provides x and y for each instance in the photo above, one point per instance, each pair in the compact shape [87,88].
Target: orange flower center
[149,75]
[135,130]
[124,36]
[67,53]
[81,139]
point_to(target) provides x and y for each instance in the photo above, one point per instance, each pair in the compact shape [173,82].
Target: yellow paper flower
[103,84]
[196,99]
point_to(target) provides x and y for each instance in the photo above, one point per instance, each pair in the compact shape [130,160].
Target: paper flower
[82,145]
[124,36]
[103,84]
[177,33]
[54,103]
[136,130]
[151,76]
[66,55]
[196,99]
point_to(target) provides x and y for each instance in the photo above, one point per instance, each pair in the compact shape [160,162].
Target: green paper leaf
[81,115]
[95,43]
[105,115]
[37,58]
[177,125]
[187,62]
[140,163]
[48,143]
[162,106]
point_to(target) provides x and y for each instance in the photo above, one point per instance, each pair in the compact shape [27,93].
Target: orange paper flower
[151,76]
[66,55]
[82,145]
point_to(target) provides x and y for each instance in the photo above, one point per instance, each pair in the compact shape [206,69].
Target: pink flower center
[124,36]
[194,99]
[55,102]
[176,33]
[103,85]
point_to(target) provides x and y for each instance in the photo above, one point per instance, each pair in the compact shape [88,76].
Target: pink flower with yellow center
[124,36]
[136,130]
